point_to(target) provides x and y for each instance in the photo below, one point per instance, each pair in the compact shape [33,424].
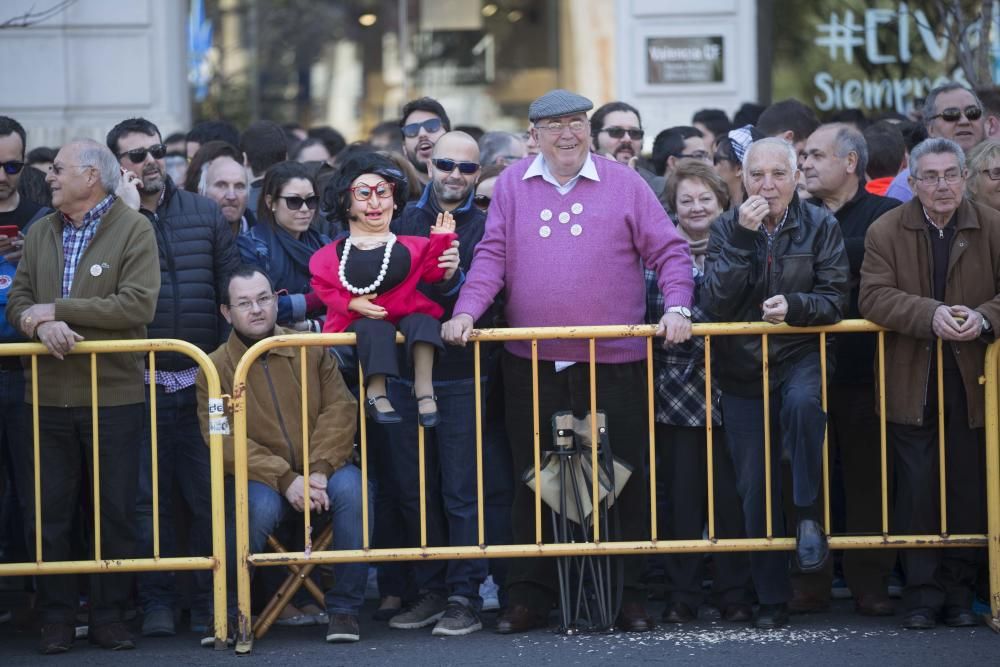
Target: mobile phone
[10,231]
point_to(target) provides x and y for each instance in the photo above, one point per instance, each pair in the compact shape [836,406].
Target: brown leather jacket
[274,412]
[897,292]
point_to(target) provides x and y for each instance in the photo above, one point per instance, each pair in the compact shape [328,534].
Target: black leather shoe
[771,616]
[873,604]
[960,617]
[737,613]
[519,618]
[633,618]
[921,618]
[678,612]
[428,419]
[811,548]
[113,636]
[390,417]
[56,638]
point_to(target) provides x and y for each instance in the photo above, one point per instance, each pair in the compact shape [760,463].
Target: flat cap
[558,102]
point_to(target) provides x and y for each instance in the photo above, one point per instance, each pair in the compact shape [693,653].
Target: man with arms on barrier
[89,273]
[277,489]
[932,270]
[197,250]
[777,259]
[559,226]
[836,158]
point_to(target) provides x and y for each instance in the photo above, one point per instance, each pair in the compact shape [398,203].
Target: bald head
[452,186]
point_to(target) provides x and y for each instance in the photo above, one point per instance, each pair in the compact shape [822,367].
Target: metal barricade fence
[244,559]
[216,562]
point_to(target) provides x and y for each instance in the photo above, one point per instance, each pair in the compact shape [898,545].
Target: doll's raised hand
[445,224]
[363,306]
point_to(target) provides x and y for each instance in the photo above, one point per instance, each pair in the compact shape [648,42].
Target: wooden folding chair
[297,577]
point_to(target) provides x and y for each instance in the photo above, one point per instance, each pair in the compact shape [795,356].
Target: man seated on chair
[277,488]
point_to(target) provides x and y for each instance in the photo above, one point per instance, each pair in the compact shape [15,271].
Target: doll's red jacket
[402,300]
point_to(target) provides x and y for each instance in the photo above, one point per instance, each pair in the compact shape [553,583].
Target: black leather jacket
[806,262]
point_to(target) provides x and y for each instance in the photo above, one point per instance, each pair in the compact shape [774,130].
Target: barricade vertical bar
[307,487]
[244,638]
[153,432]
[595,497]
[651,409]
[538,444]
[992,373]
[826,434]
[363,434]
[940,419]
[38,458]
[882,434]
[709,460]
[422,472]
[480,514]
[767,436]
[217,473]
[96,453]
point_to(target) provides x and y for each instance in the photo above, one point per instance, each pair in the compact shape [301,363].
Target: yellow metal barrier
[216,562]
[245,559]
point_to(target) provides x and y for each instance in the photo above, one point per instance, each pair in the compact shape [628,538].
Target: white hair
[771,142]
[97,155]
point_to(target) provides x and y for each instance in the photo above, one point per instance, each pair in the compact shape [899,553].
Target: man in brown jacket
[274,441]
[932,270]
[90,272]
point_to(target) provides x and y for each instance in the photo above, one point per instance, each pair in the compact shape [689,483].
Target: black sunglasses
[432,125]
[952,114]
[619,132]
[294,202]
[446,165]
[481,201]
[138,155]
[12,167]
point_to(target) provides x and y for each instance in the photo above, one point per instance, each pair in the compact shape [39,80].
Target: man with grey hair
[931,271]
[225,181]
[502,148]
[777,259]
[954,112]
[836,158]
[89,272]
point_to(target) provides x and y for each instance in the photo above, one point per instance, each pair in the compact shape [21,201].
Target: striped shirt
[76,239]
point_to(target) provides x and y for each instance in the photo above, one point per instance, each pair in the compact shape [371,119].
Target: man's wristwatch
[985,327]
[683,311]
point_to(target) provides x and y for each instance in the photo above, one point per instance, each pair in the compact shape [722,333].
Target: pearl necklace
[381,274]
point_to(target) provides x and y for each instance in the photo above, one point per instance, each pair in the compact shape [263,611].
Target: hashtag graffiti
[840,38]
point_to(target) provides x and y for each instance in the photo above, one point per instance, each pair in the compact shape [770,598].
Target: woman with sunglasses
[984,174]
[368,281]
[282,242]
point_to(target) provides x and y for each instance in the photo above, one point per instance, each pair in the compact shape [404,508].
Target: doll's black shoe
[428,419]
[379,417]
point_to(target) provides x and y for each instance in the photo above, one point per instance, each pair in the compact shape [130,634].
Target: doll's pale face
[372,205]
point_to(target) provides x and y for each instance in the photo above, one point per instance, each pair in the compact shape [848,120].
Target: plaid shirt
[174,381]
[76,239]
[679,371]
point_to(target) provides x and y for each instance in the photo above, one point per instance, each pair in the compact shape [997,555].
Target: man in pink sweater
[566,239]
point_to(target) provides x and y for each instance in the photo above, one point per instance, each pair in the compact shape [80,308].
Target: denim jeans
[450,465]
[268,509]
[797,426]
[183,459]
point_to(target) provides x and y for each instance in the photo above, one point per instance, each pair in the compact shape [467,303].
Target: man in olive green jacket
[275,449]
[89,272]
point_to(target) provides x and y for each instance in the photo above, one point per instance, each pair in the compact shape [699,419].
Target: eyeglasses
[294,202]
[57,169]
[993,173]
[619,132]
[138,155]
[12,168]
[261,302]
[432,125]
[482,202]
[383,190]
[698,155]
[447,165]
[952,114]
[575,126]
[931,180]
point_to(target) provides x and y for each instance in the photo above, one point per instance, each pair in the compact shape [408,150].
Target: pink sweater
[576,259]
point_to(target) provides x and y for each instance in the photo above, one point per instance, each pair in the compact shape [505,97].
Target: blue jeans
[450,465]
[183,459]
[268,509]
[798,424]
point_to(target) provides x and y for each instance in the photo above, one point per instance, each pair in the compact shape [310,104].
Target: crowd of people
[222,239]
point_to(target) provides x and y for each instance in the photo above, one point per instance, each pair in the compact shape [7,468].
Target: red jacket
[402,300]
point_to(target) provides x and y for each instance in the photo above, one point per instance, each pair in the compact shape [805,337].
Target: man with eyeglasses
[89,273]
[422,123]
[931,271]
[677,143]
[449,591]
[616,131]
[278,490]
[559,226]
[197,251]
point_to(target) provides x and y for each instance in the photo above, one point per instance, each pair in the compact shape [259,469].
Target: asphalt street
[836,638]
